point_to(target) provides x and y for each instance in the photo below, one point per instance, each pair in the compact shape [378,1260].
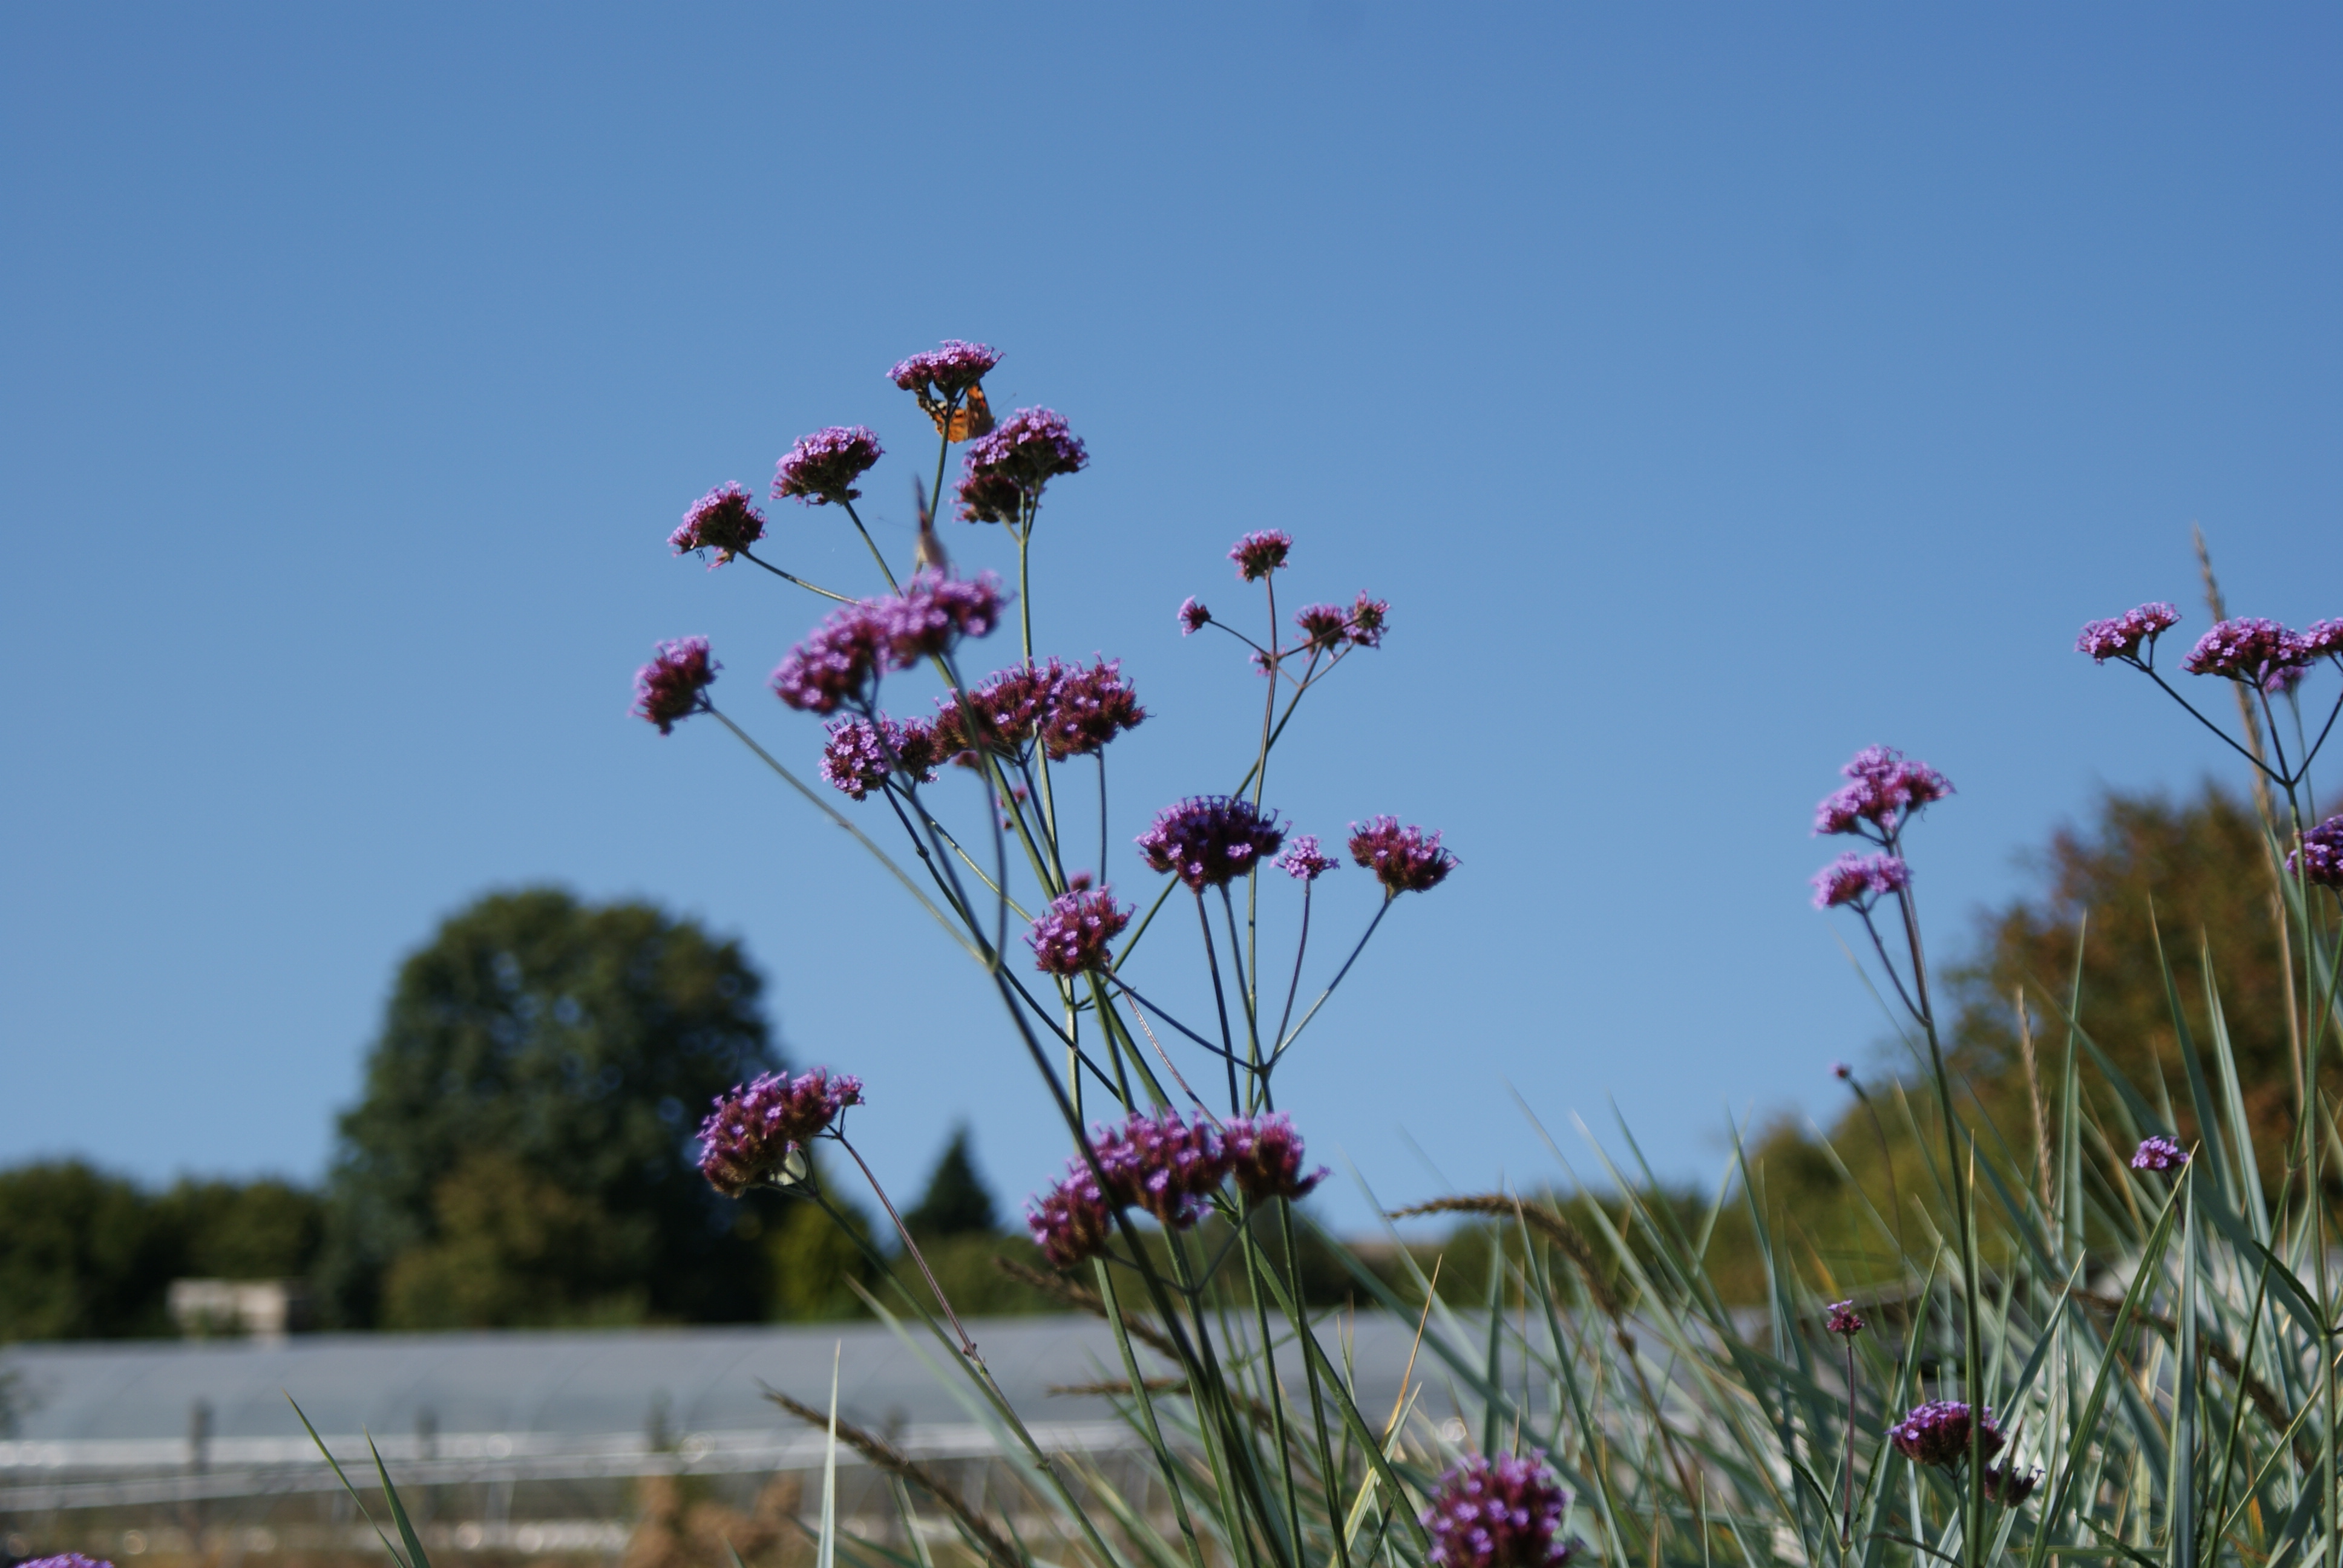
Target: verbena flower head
[1323,627]
[1264,1158]
[756,1126]
[1193,616]
[1207,840]
[1845,1320]
[2158,1152]
[862,754]
[2007,1486]
[65,1560]
[2281,681]
[933,613]
[1938,1433]
[2126,634]
[1501,1513]
[2246,649]
[1366,624]
[668,688]
[1158,1163]
[948,369]
[1303,860]
[1088,707]
[1006,470]
[1258,555]
[2321,640]
[1071,1222]
[2319,861]
[1404,859]
[1073,934]
[990,498]
[1859,880]
[834,664]
[1885,790]
[724,520]
[1001,716]
[822,467]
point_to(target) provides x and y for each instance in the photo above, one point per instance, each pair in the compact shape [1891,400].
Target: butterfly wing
[973,418]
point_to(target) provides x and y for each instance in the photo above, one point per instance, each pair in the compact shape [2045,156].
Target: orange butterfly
[973,418]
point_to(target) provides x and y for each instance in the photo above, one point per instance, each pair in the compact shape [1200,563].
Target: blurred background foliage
[520,1154]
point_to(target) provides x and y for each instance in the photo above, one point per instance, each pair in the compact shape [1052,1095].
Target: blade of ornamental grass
[2087,1424]
[1010,1439]
[2180,1485]
[405,1530]
[826,1554]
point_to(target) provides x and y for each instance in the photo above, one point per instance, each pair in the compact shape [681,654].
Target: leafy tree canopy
[521,1150]
[957,1202]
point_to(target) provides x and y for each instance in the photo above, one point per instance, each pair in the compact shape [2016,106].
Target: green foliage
[957,1202]
[541,1065]
[79,1256]
[511,1249]
[86,1255]
[265,1229]
[808,1259]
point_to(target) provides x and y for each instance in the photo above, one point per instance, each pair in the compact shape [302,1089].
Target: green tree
[264,1230]
[2192,871]
[80,1255]
[957,1202]
[521,1150]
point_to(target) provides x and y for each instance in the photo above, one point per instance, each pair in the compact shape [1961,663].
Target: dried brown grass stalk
[895,1462]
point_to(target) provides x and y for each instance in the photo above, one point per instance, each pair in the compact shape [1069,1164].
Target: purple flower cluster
[1169,1166]
[1404,859]
[1845,1320]
[861,753]
[822,467]
[1264,1155]
[1074,933]
[1303,860]
[1327,627]
[756,1126]
[1938,1433]
[2126,634]
[1193,616]
[2159,1154]
[1861,880]
[1884,792]
[1206,840]
[1088,707]
[2248,648]
[2007,1486]
[1501,1513]
[2319,861]
[839,658]
[947,370]
[2322,639]
[1073,711]
[1258,555]
[1005,471]
[65,1560]
[668,688]
[724,520]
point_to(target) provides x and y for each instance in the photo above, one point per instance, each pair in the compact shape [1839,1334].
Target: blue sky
[1712,390]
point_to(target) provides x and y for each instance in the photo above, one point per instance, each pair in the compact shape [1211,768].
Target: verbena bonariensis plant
[2128,1339]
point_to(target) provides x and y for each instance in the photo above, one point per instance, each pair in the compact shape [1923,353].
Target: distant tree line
[520,1155]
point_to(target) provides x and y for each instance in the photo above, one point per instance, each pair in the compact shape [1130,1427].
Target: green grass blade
[343,1477]
[415,1554]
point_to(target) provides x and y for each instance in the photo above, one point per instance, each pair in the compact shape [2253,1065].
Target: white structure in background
[262,1310]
